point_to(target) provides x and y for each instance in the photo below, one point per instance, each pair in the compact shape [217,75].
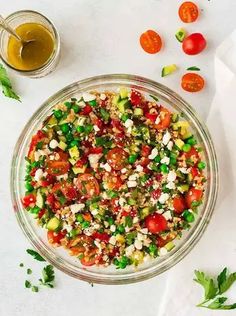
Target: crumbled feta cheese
[105,166]
[170,185]
[160,211]
[144,231]
[96,128]
[153,154]
[135,220]
[163,198]
[170,145]
[76,207]
[157,121]
[166,138]
[165,160]
[88,97]
[96,226]
[103,96]
[132,184]
[133,177]
[89,231]
[138,244]
[124,170]
[106,224]
[53,144]
[113,228]
[171,176]
[163,251]
[62,177]
[140,237]
[183,170]
[139,168]
[122,201]
[82,104]
[129,250]
[147,242]
[93,159]
[37,155]
[67,227]
[38,174]
[167,215]
[112,240]
[129,123]
[94,212]
[97,243]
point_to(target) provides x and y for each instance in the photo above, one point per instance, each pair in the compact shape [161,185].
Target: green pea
[58,114]
[110,220]
[132,158]
[164,168]
[188,216]
[65,128]
[191,141]
[186,148]
[201,165]
[74,143]
[93,103]
[173,161]
[85,224]
[75,107]
[68,105]
[80,129]
[29,187]
[79,218]
[121,228]
[157,159]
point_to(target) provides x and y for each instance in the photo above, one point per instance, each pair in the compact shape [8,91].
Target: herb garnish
[6,84]
[35,254]
[48,276]
[193,68]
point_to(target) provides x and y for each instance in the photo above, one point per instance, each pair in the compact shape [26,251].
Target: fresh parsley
[193,68]
[35,255]
[6,84]
[29,271]
[27,284]
[213,289]
[48,276]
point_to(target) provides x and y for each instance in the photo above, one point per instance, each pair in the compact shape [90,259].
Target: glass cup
[27,16]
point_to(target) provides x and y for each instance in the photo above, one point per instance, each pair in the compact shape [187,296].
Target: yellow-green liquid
[35,54]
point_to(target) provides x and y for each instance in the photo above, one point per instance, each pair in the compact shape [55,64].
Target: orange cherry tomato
[59,166]
[165,118]
[192,82]
[188,12]
[151,42]
[117,158]
[87,185]
[193,195]
[113,182]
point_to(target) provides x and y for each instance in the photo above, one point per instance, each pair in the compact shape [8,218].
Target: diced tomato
[117,158]
[71,193]
[179,204]
[193,195]
[29,200]
[145,150]
[144,162]
[32,172]
[151,116]
[159,177]
[117,124]
[81,162]
[156,223]
[96,150]
[165,119]
[41,213]
[133,212]
[194,172]
[87,217]
[124,213]
[35,139]
[101,236]
[149,182]
[55,238]
[135,97]
[99,123]
[192,155]
[87,185]
[50,179]
[86,110]
[156,194]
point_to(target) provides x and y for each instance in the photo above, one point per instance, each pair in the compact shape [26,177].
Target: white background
[98,37]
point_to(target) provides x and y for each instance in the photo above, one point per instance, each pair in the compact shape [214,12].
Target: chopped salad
[114,177]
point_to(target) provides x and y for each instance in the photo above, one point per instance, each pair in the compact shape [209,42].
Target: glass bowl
[28,16]
[109,275]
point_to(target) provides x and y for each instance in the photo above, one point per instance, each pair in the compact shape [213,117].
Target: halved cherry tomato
[179,204]
[117,158]
[87,185]
[188,12]
[192,82]
[91,258]
[155,223]
[194,44]
[35,139]
[165,118]
[151,42]
[145,150]
[113,182]
[60,166]
[135,97]
[29,200]
[55,238]
[193,195]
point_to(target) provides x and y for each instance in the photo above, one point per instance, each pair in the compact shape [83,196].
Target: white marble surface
[98,37]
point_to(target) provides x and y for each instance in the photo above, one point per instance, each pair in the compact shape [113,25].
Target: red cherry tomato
[29,200]
[135,97]
[188,12]
[165,118]
[59,166]
[117,158]
[192,82]
[155,223]
[151,42]
[145,150]
[55,238]
[179,204]
[87,185]
[194,44]
[113,182]
[193,195]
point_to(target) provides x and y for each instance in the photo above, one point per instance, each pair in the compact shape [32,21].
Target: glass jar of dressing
[41,54]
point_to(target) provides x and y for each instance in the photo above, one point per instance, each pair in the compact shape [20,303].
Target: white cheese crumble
[153,154]
[139,168]
[67,227]
[93,159]
[183,170]
[163,251]
[171,176]
[112,240]
[138,244]
[94,212]
[144,231]
[170,145]
[82,104]
[132,184]
[129,250]
[38,174]
[62,177]
[129,123]
[103,96]
[53,144]
[124,170]
[157,121]
[105,166]
[135,220]
[140,237]
[122,201]
[167,215]
[76,207]
[165,160]
[113,228]
[133,177]
[170,185]
[88,97]
[166,138]
[163,198]
[96,128]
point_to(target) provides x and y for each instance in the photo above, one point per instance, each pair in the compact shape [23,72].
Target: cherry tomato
[55,238]
[35,139]
[151,42]
[135,97]
[194,44]
[165,118]
[117,158]
[145,150]
[155,223]
[113,182]
[60,166]
[192,155]
[188,12]
[151,117]
[29,200]
[91,258]
[179,204]
[193,195]
[87,185]
[80,244]
[192,82]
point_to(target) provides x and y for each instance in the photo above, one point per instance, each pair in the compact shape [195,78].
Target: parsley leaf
[35,254]
[227,283]
[48,276]
[154,97]
[217,303]
[6,84]
[27,284]
[29,271]
[35,288]
[207,283]
[221,278]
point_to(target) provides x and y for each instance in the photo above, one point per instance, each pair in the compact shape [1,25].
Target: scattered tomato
[117,158]
[165,119]
[179,204]
[194,44]
[87,185]
[188,12]
[192,82]
[151,42]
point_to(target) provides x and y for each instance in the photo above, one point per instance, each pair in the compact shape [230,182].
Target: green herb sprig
[48,276]
[6,84]
[35,255]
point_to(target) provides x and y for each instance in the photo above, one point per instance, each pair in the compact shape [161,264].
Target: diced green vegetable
[180,35]
[123,93]
[167,70]
[53,224]
[105,114]
[138,112]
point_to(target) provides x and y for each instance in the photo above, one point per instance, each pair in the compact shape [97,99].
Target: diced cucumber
[131,201]
[39,200]
[183,188]
[169,246]
[187,134]
[62,145]
[179,143]
[79,170]
[123,105]
[180,35]
[74,152]
[52,121]
[123,93]
[138,112]
[53,223]
[167,70]
[116,99]
[144,212]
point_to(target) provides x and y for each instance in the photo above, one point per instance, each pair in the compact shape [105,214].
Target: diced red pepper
[96,150]
[81,162]
[86,110]
[135,97]
[156,194]
[101,236]
[41,213]
[124,213]
[50,179]
[29,200]
[116,124]
[194,172]
[145,151]
[151,116]
[159,177]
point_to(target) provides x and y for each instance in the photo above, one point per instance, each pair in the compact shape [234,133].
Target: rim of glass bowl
[180,251]
[53,60]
